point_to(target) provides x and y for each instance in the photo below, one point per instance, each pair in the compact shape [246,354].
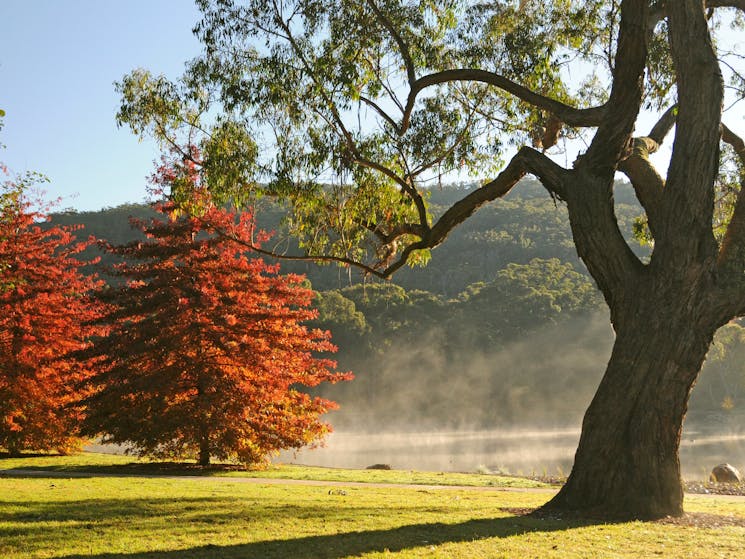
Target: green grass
[117,464]
[204,518]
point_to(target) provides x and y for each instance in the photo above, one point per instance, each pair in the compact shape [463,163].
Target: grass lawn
[117,464]
[167,518]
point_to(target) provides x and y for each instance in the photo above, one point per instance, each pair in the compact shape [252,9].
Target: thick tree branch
[687,238]
[570,115]
[589,194]
[612,137]
[645,179]
[527,160]
[663,126]
[658,10]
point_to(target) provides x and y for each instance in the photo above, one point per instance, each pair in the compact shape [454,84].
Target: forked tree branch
[403,47]
[645,179]
[527,160]
[658,10]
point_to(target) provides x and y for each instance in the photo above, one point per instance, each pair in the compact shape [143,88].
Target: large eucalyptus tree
[349,110]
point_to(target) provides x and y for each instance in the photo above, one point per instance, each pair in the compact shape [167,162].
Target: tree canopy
[46,309]
[206,350]
[359,107]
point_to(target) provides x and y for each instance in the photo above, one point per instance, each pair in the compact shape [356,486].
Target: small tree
[44,308]
[207,349]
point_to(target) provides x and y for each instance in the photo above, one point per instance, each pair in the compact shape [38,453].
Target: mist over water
[520,452]
[514,409]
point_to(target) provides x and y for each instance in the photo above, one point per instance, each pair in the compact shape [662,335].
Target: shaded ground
[698,519]
[690,519]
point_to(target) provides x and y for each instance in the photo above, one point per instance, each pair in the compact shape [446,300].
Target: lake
[522,452]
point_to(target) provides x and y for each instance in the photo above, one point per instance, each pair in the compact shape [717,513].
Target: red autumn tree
[207,349]
[45,314]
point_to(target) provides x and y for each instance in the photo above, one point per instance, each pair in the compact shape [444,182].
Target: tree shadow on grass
[154,469]
[352,544]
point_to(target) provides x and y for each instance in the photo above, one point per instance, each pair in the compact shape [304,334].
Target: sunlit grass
[117,464]
[205,518]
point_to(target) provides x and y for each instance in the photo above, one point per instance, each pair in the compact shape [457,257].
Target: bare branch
[402,46]
[663,126]
[647,182]
[374,106]
[737,143]
[570,115]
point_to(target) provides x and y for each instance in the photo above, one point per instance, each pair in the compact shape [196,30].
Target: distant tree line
[505,289]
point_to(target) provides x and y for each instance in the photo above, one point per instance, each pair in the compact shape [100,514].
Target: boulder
[379,467]
[725,473]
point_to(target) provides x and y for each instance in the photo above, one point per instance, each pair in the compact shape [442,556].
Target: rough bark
[627,461]
[664,313]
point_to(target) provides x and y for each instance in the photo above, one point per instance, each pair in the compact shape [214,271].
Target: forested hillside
[503,327]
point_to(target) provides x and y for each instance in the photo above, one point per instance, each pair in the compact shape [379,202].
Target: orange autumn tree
[207,351]
[45,314]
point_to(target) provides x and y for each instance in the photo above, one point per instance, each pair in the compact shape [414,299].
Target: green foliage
[334,308]
[542,289]
[330,91]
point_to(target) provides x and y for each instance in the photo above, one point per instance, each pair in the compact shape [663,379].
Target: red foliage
[207,349]
[45,313]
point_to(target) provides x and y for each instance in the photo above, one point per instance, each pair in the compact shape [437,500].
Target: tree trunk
[627,462]
[203,406]
[204,452]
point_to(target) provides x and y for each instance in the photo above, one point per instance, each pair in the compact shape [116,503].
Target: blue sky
[58,62]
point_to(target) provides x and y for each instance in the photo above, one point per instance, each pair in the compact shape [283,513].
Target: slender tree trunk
[627,461]
[204,452]
[203,421]
[14,451]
